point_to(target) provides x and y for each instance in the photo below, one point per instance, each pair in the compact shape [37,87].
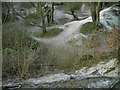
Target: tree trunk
[93,11]
[98,9]
[44,26]
[42,11]
[48,19]
[52,13]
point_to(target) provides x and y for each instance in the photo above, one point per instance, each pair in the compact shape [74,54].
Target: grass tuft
[88,28]
[72,42]
[50,33]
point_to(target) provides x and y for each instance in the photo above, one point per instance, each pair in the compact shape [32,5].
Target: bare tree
[45,11]
[96,7]
[93,10]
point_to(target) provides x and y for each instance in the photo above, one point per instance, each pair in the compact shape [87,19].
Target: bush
[88,28]
[50,33]
[19,51]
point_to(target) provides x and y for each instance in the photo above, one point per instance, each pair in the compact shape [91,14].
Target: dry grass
[113,39]
[88,28]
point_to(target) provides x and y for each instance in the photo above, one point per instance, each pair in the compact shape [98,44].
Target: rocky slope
[100,76]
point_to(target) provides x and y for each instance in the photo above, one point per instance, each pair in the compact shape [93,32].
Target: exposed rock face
[110,16]
[109,69]
[50,79]
[94,77]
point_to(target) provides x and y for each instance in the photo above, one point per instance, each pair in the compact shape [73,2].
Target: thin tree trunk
[42,18]
[52,13]
[93,11]
[48,19]
[98,9]
[44,26]
[6,16]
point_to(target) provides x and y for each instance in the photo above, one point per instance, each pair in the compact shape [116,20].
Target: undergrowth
[50,33]
[88,28]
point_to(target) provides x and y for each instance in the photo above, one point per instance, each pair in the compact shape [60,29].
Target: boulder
[110,17]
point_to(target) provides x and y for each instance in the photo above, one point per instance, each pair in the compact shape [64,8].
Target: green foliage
[115,54]
[85,61]
[88,28]
[35,45]
[72,42]
[8,51]
[111,55]
[87,57]
[50,33]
